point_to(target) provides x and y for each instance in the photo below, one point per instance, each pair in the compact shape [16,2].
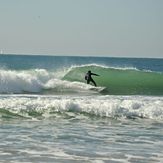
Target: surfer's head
[89,71]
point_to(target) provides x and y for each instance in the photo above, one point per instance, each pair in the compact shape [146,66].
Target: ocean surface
[49,114]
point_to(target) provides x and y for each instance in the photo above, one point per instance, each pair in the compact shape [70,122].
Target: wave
[39,81]
[118,107]
[115,80]
[121,81]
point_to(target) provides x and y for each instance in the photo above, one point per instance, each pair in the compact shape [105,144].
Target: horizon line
[79,55]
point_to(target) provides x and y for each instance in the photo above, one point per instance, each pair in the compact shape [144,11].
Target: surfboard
[98,89]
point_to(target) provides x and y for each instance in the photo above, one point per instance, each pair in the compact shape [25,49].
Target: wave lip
[102,106]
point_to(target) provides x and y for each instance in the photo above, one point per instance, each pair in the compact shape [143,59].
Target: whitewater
[49,114]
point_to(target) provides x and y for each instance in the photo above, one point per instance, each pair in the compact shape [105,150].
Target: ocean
[49,114]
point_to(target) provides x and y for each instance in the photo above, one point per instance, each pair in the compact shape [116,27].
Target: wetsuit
[89,78]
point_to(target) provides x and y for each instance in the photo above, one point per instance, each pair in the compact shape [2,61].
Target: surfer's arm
[95,74]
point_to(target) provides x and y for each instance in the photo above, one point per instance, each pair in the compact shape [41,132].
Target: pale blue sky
[124,28]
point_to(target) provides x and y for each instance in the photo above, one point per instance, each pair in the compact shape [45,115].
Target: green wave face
[121,81]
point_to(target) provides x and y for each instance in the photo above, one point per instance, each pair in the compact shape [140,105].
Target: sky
[114,28]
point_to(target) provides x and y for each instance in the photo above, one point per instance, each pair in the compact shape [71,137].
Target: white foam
[35,81]
[19,81]
[108,106]
[63,84]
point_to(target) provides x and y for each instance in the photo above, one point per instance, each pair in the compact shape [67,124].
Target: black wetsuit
[89,78]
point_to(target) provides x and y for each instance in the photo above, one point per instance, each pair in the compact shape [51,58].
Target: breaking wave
[117,81]
[25,106]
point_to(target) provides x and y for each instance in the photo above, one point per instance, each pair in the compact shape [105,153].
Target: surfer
[89,78]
